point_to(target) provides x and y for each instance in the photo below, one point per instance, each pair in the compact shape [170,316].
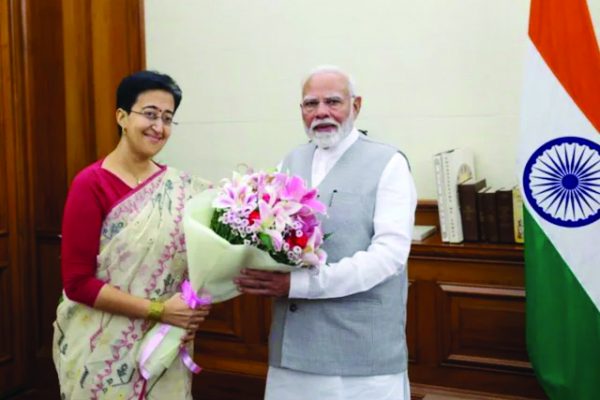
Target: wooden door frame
[13,124]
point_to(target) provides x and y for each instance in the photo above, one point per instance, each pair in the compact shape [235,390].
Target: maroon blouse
[92,195]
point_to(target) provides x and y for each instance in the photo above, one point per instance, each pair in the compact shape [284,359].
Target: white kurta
[386,256]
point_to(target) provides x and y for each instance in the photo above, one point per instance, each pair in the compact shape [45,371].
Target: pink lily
[295,190]
[238,195]
[313,254]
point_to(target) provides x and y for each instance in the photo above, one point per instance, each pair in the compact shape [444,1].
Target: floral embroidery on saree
[142,252]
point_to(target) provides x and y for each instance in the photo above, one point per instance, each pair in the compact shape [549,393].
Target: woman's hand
[190,333]
[178,313]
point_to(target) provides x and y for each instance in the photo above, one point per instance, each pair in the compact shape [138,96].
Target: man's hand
[253,281]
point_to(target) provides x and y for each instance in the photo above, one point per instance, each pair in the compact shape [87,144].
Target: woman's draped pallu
[142,252]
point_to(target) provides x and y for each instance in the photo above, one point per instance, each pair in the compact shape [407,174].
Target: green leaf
[266,240]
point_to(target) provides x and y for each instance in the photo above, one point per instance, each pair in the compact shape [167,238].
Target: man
[339,333]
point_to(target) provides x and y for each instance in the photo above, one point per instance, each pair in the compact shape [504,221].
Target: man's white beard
[326,140]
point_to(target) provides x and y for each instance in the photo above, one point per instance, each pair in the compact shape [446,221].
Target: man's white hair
[331,68]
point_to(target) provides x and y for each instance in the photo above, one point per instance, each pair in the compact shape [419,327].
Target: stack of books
[452,168]
[490,214]
[469,209]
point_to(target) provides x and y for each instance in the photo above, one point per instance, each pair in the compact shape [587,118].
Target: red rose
[294,240]
[302,240]
[254,215]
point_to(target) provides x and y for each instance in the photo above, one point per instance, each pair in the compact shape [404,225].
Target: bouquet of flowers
[274,212]
[259,220]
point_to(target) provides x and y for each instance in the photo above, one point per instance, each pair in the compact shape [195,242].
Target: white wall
[433,74]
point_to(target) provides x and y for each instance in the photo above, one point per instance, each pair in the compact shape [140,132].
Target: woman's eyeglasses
[152,115]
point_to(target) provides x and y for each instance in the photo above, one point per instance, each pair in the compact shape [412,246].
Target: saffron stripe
[563,33]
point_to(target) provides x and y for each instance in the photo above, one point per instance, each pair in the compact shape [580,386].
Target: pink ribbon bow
[194,301]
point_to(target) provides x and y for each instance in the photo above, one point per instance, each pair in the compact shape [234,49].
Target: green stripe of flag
[563,324]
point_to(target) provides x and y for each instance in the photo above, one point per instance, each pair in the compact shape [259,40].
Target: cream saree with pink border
[142,252]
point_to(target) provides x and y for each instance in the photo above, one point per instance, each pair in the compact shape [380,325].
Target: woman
[123,255]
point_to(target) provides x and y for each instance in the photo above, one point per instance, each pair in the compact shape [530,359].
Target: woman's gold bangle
[156,310]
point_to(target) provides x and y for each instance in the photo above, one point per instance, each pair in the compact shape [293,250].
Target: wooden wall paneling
[427,213]
[220,385]
[14,336]
[224,321]
[492,271]
[265,309]
[241,348]
[103,42]
[11,345]
[4,189]
[472,325]
[48,259]
[256,316]
[118,50]
[483,327]
[46,159]
[45,111]
[427,341]
[9,325]
[79,89]
[234,367]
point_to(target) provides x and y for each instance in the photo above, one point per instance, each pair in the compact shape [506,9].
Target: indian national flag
[559,162]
